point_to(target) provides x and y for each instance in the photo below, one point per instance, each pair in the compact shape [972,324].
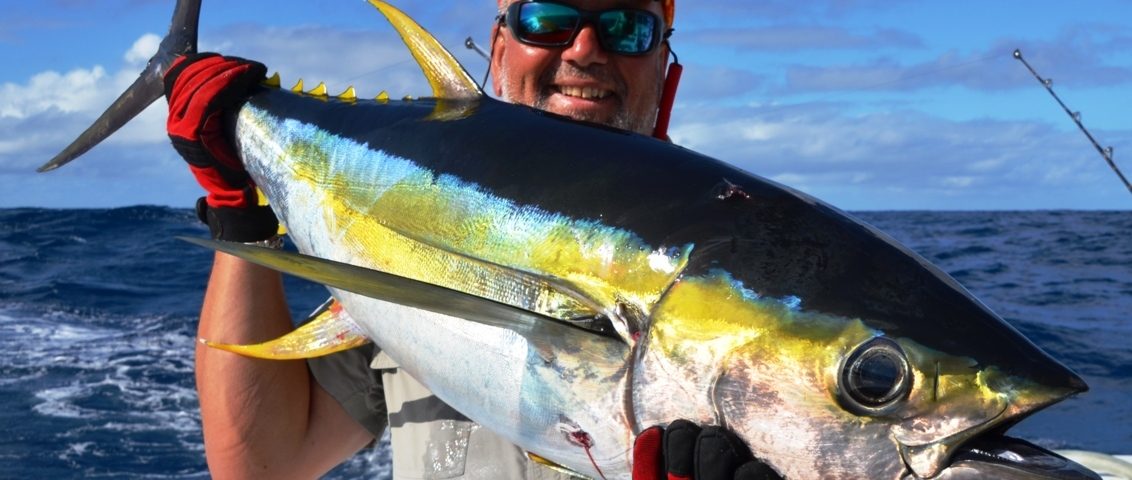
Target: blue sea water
[98,311]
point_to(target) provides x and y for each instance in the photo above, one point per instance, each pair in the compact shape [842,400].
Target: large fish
[566,285]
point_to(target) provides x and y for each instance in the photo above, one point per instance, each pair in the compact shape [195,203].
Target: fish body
[740,300]
[567,285]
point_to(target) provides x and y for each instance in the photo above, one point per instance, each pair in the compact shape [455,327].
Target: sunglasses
[624,31]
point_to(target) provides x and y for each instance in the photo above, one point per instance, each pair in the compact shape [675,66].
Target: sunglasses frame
[510,19]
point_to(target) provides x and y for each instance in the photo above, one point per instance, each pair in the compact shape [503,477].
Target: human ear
[498,47]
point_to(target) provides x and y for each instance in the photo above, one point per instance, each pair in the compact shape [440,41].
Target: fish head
[821,395]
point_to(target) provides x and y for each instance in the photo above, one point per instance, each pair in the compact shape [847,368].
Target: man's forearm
[262,418]
[242,399]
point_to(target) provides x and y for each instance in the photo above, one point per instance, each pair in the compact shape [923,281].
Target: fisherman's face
[582,81]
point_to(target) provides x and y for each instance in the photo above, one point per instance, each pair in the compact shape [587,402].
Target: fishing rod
[1076,116]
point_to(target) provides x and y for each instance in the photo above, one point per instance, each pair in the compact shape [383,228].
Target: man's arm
[262,418]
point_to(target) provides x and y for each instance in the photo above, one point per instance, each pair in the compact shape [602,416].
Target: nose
[586,48]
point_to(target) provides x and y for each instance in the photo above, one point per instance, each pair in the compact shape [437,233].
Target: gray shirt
[430,439]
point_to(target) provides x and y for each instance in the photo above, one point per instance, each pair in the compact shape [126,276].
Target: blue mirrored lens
[623,31]
[547,23]
[627,31]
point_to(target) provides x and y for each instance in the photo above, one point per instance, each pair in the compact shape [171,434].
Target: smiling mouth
[587,93]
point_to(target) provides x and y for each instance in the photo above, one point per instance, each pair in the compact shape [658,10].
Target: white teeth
[583,92]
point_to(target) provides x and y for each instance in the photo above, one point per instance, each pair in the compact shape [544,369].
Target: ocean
[98,312]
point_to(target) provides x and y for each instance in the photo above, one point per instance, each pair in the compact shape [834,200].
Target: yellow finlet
[446,76]
[349,95]
[272,81]
[298,88]
[330,331]
[553,466]
[319,91]
[407,98]
[382,97]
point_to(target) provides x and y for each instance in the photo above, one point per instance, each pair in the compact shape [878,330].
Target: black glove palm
[684,451]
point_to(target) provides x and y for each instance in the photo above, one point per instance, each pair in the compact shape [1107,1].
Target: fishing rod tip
[1017,54]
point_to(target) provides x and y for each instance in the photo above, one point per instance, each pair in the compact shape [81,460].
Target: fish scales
[720,322]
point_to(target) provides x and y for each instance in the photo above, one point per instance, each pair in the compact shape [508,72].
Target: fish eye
[874,377]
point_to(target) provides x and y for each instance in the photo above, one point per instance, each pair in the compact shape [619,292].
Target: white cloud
[370,60]
[828,151]
[41,116]
[802,37]
[74,91]
[143,49]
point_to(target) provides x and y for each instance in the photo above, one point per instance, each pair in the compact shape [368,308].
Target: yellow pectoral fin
[331,330]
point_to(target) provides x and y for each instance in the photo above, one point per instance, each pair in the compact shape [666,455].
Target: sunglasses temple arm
[668,97]
[471,45]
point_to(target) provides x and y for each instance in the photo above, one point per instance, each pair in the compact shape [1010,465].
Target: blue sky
[869,105]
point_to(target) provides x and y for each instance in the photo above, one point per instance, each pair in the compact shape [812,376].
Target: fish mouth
[1008,458]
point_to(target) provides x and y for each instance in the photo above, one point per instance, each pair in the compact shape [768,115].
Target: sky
[866,104]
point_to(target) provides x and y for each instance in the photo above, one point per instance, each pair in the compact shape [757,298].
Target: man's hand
[203,90]
[684,451]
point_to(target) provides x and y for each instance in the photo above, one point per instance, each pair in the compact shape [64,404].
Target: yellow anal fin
[446,76]
[331,330]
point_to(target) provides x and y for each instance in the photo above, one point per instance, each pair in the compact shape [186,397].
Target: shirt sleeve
[348,378]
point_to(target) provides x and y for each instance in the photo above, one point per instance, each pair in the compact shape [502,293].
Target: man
[278,419]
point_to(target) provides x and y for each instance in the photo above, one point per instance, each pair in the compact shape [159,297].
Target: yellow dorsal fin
[330,331]
[319,91]
[298,88]
[446,76]
[272,81]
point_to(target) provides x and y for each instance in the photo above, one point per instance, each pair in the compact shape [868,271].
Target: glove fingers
[679,449]
[217,84]
[230,86]
[756,470]
[183,86]
[201,89]
[648,462]
[223,155]
[233,87]
[718,453]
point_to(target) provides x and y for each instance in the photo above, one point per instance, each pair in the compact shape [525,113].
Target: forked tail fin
[181,40]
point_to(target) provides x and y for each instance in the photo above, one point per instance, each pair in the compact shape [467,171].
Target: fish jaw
[956,400]
[1007,458]
[957,434]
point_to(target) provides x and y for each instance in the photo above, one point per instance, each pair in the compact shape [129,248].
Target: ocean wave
[98,312]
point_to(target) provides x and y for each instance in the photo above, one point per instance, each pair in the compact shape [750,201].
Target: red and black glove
[684,451]
[203,91]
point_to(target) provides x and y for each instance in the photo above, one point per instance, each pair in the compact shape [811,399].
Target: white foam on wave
[56,402]
[117,379]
